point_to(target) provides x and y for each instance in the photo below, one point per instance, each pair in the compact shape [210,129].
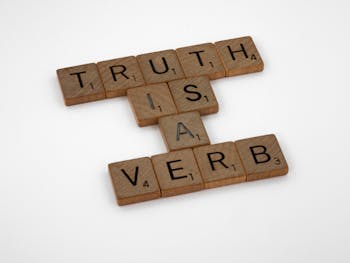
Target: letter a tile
[177,172]
[183,131]
[262,157]
[120,74]
[81,84]
[160,66]
[239,56]
[219,164]
[134,181]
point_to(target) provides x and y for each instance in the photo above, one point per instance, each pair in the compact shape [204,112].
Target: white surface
[56,199]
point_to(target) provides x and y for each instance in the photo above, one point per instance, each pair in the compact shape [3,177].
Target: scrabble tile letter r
[262,157]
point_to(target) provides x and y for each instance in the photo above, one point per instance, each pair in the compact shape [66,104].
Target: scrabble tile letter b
[239,56]
[262,157]
[134,181]
[81,84]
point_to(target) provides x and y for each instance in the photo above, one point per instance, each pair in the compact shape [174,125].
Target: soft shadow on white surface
[56,200]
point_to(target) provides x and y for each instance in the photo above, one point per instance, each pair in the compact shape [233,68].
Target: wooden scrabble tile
[149,103]
[239,56]
[134,181]
[177,172]
[219,164]
[160,66]
[262,157]
[81,84]
[194,94]
[182,131]
[201,60]
[120,74]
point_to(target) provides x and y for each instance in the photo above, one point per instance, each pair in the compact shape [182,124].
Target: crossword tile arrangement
[172,88]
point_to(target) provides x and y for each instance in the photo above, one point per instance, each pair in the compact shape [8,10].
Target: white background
[56,199]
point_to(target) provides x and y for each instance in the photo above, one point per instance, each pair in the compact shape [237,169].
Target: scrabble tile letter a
[183,131]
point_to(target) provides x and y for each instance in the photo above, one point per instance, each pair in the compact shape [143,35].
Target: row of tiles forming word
[203,167]
[114,77]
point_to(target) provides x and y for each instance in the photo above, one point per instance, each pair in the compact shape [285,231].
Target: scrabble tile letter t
[81,84]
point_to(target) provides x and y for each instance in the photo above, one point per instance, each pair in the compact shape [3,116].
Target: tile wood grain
[149,103]
[194,94]
[219,164]
[134,181]
[239,56]
[120,74]
[161,66]
[80,84]
[262,157]
[201,60]
[177,172]
[182,131]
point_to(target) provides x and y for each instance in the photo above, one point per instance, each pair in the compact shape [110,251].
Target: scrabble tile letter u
[160,66]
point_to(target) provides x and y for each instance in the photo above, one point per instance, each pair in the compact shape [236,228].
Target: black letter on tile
[166,68]
[171,170]
[222,157]
[79,78]
[114,74]
[186,89]
[133,182]
[179,132]
[263,152]
[198,56]
[236,51]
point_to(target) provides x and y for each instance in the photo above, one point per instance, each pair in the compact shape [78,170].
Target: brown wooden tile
[81,84]
[160,66]
[219,164]
[177,172]
[134,181]
[184,130]
[262,157]
[199,60]
[149,103]
[194,94]
[120,74]
[239,56]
